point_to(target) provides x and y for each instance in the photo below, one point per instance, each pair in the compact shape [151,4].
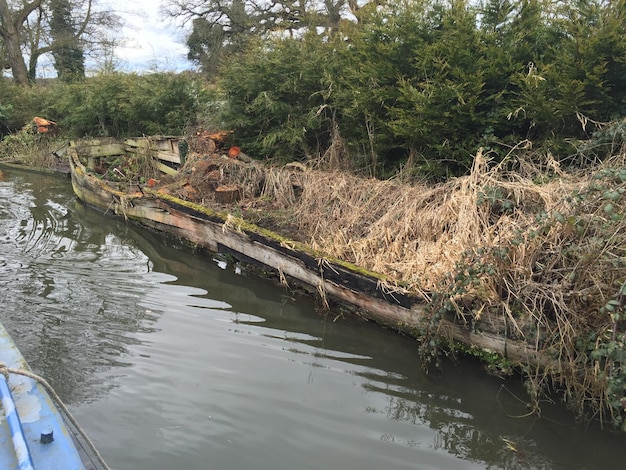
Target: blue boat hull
[37,415]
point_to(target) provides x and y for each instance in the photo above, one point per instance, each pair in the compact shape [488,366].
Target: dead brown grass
[414,233]
[539,249]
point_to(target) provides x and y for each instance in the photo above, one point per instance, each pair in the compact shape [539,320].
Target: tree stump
[203,144]
[228,194]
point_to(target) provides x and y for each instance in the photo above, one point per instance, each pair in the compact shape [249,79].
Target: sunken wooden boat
[35,432]
[365,293]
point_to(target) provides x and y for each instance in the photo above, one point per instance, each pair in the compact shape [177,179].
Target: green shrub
[18,105]
[121,105]
[277,97]
[428,82]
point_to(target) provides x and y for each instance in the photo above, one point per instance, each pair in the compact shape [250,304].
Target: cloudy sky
[148,41]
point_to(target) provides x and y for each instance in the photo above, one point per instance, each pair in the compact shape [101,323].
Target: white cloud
[148,41]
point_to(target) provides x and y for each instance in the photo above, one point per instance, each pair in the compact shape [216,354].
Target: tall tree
[11,31]
[69,59]
[221,27]
[66,29]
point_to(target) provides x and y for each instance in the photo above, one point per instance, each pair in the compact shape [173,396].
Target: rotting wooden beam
[164,148]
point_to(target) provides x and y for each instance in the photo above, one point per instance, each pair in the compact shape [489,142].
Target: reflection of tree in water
[460,433]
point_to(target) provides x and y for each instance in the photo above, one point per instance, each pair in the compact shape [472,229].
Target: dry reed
[541,246]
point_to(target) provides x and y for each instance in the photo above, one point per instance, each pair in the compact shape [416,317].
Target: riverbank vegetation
[536,255]
[473,154]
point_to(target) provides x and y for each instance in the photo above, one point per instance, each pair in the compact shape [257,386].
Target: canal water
[173,359]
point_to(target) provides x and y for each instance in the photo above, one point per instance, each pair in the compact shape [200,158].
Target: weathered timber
[104,147]
[166,169]
[163,147]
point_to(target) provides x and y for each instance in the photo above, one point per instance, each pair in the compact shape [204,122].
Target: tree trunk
[16,60]
[11,24]
[228,194]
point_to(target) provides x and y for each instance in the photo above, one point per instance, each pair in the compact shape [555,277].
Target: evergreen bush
[426,83]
